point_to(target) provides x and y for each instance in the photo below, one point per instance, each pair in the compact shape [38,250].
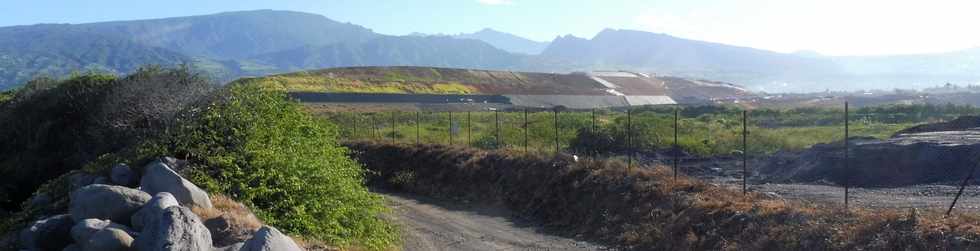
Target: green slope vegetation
[310,82]
[59,50]
[235,35]
[244,141]
[396,51]
[429,80]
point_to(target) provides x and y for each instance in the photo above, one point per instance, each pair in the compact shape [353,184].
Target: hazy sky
[834,27]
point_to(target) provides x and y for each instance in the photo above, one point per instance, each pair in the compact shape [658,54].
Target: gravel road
[429,224]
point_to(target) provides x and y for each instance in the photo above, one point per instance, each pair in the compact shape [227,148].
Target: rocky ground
[158,211]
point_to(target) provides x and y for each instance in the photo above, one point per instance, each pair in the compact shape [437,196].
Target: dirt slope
[435,225]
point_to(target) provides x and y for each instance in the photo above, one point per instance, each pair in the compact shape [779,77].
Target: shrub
[44,133]
[55,126]
[244,141]
[260,148]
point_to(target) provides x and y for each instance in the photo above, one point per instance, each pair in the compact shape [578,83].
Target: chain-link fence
[743,149]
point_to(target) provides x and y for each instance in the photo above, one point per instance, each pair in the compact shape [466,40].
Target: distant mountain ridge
[253,43]
[506,41]
[433,51]
[56,50]
[236,35]
[665,54]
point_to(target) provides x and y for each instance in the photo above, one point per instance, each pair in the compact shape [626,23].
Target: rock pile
[113,214]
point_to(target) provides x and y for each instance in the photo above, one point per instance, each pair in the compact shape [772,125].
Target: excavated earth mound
[922,155]
[961,123]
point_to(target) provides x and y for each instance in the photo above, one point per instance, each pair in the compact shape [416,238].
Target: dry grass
[229,221]
[646,209]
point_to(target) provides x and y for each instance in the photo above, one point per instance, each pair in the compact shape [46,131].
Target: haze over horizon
[835,27]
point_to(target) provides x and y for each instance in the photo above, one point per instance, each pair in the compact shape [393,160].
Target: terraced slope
[529,89]
[430,80]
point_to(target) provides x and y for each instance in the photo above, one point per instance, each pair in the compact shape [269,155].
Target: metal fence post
[394,125]
[496,128]
[374,120]
[960,192]
[676,149]
[847,168]
[592,132]
[525,130]
[418,125]
[745,152]
[469,130]
[629,138]
[353,134]
[557,144]
[450,128]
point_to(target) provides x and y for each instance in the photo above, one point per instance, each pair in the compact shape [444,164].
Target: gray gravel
[441,225]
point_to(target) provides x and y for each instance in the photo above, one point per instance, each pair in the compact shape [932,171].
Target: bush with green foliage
[263,150]
[244,141]
[55,126]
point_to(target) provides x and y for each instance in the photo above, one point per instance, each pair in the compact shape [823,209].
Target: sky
[830,27]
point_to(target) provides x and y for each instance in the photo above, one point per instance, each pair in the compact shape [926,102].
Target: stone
[122,175]
[232,247]
[224,232]
[80,179]
[158,177]
[153,209]
[53,233]
[269,239]
[101,180]
[115,203]
[83,230]
[109,239]
[175,164]
[73,247]
[177,228]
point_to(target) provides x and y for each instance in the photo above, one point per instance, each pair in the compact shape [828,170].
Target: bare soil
[429,224]
[938,196]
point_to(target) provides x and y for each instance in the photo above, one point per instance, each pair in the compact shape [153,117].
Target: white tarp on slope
[586,102]
[649,100]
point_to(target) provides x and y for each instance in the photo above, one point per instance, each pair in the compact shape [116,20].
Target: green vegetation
[244,141]
[301,82]
[704,131]
[261,149]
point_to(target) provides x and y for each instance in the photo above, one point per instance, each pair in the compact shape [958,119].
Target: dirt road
[439,225]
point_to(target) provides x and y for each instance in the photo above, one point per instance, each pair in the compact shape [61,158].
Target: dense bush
[243,141]
[45,133]
[54,126]
[258,147]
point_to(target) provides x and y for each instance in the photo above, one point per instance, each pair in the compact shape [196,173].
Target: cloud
[495,2]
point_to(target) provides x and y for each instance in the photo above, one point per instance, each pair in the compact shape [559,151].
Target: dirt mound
[961,123]
[644,209]
[907,159]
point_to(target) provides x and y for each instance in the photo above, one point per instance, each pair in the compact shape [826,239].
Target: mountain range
[252,43]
